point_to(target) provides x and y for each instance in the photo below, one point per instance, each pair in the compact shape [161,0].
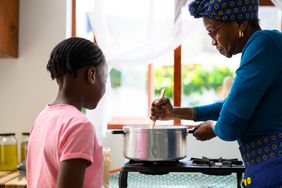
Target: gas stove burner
[154,163]
[204,161]
[154,173]
[148,165]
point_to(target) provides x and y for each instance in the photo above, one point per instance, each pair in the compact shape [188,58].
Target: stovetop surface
[192,162]
[185,165]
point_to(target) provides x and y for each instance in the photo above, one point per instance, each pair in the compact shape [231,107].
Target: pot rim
[157,127]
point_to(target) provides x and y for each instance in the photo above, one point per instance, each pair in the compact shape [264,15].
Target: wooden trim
[9,28]
[265,3]
[73,19]
[177,79]
[151,91]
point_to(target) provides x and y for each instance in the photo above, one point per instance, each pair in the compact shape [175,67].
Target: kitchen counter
[12,179]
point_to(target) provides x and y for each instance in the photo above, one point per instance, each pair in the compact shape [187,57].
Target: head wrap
[225,10]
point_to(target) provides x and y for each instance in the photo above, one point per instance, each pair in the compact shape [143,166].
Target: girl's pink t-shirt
[62,132]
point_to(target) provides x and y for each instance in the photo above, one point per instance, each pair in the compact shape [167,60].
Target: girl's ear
[91,75]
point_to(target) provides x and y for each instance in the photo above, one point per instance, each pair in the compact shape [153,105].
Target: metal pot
[162,143]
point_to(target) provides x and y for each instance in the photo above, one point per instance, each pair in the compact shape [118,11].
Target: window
[203,69]
[129,91]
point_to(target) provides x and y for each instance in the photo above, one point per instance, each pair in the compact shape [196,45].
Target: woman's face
[225,37]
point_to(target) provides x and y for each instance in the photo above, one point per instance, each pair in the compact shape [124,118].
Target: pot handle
[118,132]
[191,131]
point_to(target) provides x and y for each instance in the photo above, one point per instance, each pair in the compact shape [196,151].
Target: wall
[25,85]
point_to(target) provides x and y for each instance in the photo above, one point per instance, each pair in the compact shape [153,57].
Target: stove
[218,166]
[204,161]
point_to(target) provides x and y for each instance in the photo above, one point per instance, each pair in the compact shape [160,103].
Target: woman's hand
[204,131]
[162,109]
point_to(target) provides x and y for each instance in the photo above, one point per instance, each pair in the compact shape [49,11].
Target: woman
[252,112]
[63,150]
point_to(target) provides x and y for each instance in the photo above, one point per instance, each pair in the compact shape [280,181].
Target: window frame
[118,122]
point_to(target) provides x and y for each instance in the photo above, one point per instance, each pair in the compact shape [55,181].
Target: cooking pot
[162,143]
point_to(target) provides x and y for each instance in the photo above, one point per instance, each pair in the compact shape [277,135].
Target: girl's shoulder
[68,116]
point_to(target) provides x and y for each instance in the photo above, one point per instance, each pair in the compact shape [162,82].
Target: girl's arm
[71,173]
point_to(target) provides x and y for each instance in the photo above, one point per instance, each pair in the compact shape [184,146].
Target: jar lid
[7,134]
[26,133]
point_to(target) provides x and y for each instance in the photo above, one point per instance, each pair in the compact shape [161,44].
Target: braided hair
[72,54]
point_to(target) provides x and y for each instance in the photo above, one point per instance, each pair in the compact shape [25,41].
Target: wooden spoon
[162,96]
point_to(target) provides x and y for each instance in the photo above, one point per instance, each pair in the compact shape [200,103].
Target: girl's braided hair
[72,54]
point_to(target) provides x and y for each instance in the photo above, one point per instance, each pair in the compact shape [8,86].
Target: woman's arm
[71,173]
[208,112]
[162,109]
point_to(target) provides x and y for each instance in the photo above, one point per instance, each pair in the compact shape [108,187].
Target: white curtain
[277,3]
[135,32]
[132,32]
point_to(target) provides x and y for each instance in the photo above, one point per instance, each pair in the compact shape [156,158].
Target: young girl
[63,150]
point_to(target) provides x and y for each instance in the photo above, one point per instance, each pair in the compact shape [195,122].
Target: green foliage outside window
[115,78]
[163,78]
[195,79]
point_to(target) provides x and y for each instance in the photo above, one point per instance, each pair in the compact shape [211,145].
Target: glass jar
[24,142]
[8,151]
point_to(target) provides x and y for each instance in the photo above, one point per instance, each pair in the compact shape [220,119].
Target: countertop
[12,179]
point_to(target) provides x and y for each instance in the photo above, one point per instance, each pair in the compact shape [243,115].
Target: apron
[263,161]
